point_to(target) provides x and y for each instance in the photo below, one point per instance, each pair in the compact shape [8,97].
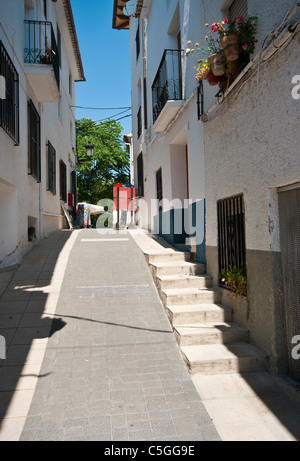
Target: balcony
[41,58]
[167,94]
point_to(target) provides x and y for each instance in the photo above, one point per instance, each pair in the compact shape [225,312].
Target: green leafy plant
[245,29]
[235,280]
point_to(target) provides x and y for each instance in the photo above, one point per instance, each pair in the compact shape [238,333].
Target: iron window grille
[51,171]
[34,154]
[168,81]
[139,122]
[63,180]
[41,46]
[138,42]
[200,100]
[159,189]
[9,107]
[140,175]
[231,234]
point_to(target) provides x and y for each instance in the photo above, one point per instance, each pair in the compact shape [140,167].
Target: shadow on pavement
[24,323]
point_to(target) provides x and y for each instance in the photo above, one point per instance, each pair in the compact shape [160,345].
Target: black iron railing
[41,46]
[168,81]
[9,104]
[231,226]
[139,122]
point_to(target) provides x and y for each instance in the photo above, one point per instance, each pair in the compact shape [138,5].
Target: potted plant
[229,39]
[235,280]
[236,36]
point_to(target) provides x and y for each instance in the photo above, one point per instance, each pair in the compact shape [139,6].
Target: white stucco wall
[253,148]
[31,200]
[167,150]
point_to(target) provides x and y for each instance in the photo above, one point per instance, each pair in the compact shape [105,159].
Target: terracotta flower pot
[231,47]
[212,79]
[217,64]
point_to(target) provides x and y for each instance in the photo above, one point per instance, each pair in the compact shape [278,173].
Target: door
[289,215]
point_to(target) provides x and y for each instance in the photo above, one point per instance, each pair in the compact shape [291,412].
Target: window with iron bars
[140,175]
[34,149]
[9,107]
[51,169]
[231,234]
[63,180]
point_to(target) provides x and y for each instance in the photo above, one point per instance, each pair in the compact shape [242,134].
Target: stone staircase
[210,343]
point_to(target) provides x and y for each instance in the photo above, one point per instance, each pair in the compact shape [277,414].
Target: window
[138,43]
[238,8]
[51,169]
[34,154]
[9,107]
[59,45]
[70,84]
[59,107]
[231,229]
[63,180]
[140,175]
[45,8]
[145,104]
[159,189]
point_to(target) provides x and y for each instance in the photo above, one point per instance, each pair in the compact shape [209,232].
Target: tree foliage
[109,165]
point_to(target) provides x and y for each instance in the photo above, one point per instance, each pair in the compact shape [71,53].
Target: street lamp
[89,150]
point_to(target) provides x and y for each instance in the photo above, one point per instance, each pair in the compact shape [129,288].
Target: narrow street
[91,356]
[111,367]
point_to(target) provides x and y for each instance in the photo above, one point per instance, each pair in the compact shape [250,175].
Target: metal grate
[231,234]
[51,168]
[140,175]
[63,180]
[34,154]
[139,122]
[9,107]
[289,214]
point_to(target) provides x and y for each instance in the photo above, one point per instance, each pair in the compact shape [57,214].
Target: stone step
[167,282]
[167,255]
[190,296]
[198,313]
[210,333]
[165,268]
[218,358]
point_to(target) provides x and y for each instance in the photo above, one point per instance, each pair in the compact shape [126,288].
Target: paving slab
[91,356]
[111,368]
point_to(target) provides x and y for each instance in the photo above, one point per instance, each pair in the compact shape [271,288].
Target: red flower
[226,21]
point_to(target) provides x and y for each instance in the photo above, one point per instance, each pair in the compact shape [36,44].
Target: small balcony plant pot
[217,64]
[212,79]
[230,45]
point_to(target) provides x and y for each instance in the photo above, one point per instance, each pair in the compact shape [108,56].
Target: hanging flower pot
[212,79]
[230,45]
[217,64]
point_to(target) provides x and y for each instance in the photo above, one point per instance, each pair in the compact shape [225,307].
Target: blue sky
[106,61]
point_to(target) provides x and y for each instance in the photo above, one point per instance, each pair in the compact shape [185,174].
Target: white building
[167,137]
[235,154]
[40,61]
